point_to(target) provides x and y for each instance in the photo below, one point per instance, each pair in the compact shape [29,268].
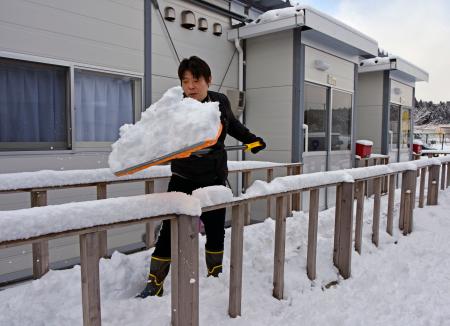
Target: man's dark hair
[196,66]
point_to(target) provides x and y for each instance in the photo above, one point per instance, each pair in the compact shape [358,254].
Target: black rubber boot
[159,268]
[214,262]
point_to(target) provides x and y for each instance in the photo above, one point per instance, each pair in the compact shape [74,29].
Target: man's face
[193,87]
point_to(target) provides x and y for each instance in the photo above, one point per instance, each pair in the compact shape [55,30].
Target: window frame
[72,146]
[137,94]
[7,147]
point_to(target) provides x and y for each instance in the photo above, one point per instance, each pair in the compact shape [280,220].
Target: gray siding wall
[107,35]
[101,33]
[217,51]
[369,108]
[269,93]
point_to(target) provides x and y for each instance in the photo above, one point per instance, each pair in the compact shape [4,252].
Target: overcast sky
[418,31]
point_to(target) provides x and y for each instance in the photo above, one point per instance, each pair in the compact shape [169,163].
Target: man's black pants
[214,221]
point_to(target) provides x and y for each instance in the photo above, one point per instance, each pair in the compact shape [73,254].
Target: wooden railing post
[247,175]
[103,235]
[312,233]
[150,226]
[423,172]
[236,259]
[269,200]
[289,170]
[344,232]
[386,178]
[407,200]
[184,248]
[90,280]
[433,184]
[443,172]
[448,174]
[376,211]
[40,248]
[359,215]
[390,210]
[279,253]
[296,197]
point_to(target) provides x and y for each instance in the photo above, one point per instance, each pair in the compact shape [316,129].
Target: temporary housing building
[386,89]
[301,76]
[72,72]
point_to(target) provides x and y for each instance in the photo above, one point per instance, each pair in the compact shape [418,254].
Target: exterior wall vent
[169,14]
[202,24]
[217,29]
[188,19]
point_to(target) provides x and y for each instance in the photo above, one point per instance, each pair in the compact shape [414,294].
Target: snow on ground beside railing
[26,223]
[403,282]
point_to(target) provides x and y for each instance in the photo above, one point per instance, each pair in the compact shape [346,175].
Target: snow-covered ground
[406,281]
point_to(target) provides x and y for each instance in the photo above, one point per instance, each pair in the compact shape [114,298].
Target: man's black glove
[258,148]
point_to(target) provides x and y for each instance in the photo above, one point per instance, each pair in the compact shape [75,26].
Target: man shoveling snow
[198,171]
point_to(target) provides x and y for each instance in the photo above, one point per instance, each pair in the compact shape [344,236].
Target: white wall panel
[401,94]
[342,71]
[107,34]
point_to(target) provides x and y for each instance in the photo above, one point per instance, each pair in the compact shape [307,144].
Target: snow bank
[43,220]
[168,125]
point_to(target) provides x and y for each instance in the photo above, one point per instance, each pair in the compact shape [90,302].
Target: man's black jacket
[212,168]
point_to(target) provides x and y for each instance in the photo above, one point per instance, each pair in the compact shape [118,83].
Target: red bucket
[363,149]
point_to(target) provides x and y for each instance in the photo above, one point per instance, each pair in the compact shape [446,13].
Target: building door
[327,137]
[399,133]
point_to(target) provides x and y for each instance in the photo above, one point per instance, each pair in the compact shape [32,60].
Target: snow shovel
[196,149]
[245,147]
[182,153]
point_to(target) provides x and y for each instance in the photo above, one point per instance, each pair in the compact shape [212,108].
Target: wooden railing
[37,184]
[350,186]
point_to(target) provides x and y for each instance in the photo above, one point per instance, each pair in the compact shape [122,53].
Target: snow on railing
[39,182]
[349,183]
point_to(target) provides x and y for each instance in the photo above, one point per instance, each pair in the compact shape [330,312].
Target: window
[316,117]
[341,121]
[394,126]
[33,106]
[103,103]
[405,128]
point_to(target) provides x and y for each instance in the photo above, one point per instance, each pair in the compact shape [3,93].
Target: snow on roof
[169,125]
[32,222]
[393,62]
[301,15]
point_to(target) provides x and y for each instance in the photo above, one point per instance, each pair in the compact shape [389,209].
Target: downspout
[237,44]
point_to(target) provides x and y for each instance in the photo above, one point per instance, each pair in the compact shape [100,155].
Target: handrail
[185,268]
[92,177]
[39,182]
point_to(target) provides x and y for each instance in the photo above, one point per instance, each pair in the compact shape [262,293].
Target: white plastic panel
[326,69]
[401,94]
